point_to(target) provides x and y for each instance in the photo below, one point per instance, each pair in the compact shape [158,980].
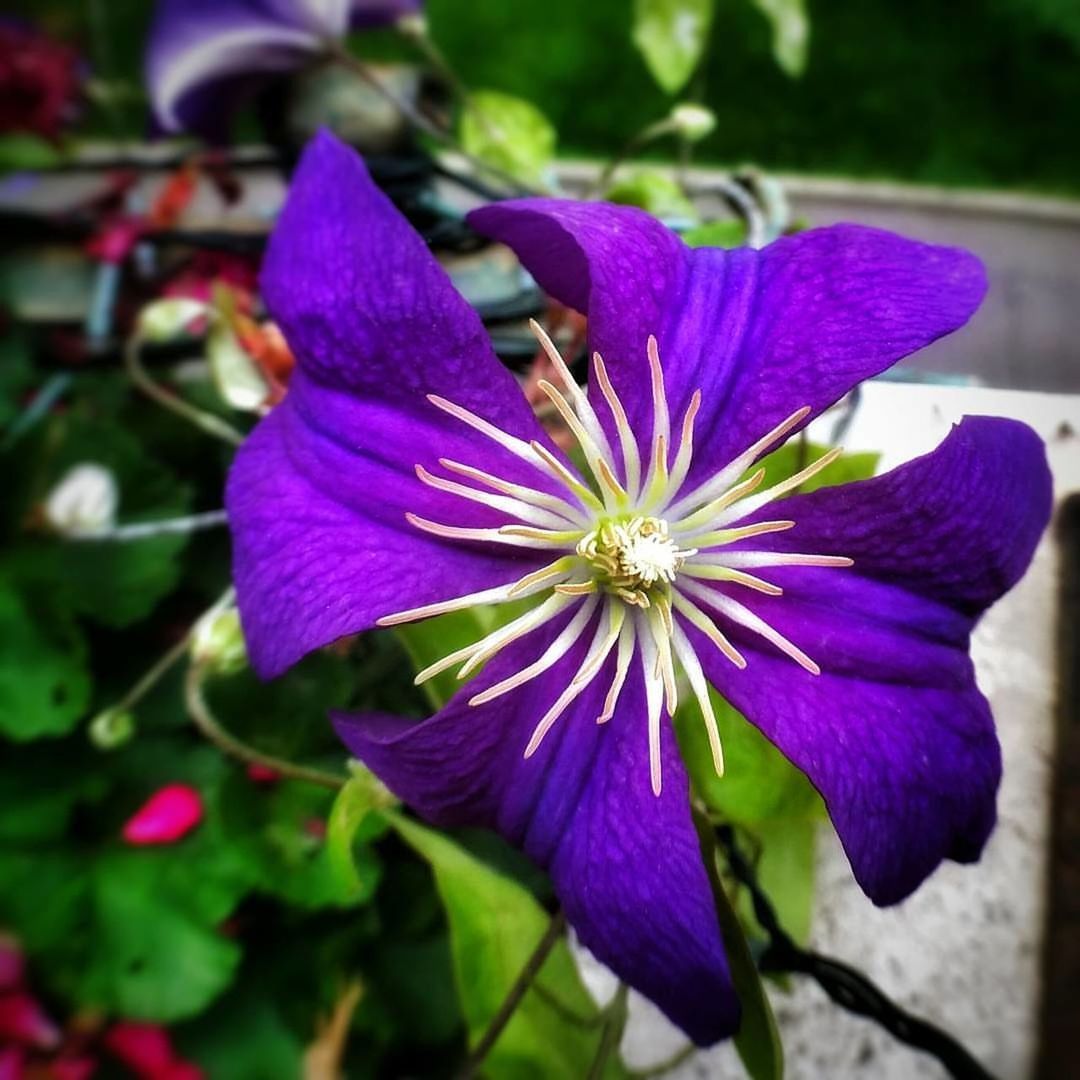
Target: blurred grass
[973,92]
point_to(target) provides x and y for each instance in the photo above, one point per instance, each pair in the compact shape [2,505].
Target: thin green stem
[662,1068]
[154,674]
[208,724]
[212,425]
[520,988]
[630,147]
[419,120]
[611,1035]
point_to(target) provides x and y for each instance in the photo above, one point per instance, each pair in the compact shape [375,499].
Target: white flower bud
[693,122]
[84,501]
[236,376]
[163,320]
[217,642]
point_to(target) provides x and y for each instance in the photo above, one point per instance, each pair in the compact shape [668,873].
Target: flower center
[632,557]
[645,564]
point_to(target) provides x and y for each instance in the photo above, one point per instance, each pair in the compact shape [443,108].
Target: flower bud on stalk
[84,501]
[217,643]
[112,728]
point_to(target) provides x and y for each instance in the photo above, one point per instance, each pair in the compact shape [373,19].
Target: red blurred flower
[40,81]
[167,816]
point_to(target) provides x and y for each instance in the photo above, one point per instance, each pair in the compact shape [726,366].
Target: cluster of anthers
[631,548]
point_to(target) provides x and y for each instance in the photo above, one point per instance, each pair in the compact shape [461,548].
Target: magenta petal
[166,817]
[760,333]
[625,863]
[894,732]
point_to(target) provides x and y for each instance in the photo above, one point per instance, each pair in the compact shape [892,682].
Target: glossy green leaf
[796,455]
[44,683]
[654,191]
[508,133]
[494,926]
[671,36]
[758,1039]
[790,25]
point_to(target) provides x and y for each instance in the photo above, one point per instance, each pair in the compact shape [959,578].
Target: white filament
[636,555]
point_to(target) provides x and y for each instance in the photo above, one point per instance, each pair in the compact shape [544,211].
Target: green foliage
[654,191]
[508,133]
[671,36]
[726,233]
[790,32]
[494,927]
[44,682]
[757,1040]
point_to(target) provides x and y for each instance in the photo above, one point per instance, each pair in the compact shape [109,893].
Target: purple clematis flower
[405,476]
[201,52]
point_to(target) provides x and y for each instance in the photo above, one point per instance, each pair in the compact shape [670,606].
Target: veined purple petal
[894,732]
[760,333]
[625,863]
[318,494]
[202,53]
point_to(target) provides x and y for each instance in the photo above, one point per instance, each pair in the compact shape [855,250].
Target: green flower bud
[693,122]
[111,728]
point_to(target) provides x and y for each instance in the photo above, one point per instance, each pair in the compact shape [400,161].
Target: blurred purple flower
[405,469]
[203,55]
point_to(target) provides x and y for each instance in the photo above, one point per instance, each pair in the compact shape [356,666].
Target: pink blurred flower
[147,1051]
[23,1021]
[262,774]
[167,816]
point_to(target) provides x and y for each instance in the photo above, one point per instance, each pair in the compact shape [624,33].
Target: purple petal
[625,863]
[318,494]
[894,732]
[760,333]
[198,49]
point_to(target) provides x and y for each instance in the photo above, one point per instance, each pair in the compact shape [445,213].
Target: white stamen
[737,613]
[510,506]
[550,656]
[627,441]
[635,554]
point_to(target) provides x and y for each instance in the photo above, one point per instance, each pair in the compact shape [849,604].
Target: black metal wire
[850,989]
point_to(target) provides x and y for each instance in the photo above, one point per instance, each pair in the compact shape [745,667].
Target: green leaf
[494,927]
[758,1040]
[157,953]
[730,233]
[243,1037]
[671,36]
[281,831]
[44,683]
[785,870]
[351,816]
[654,191]
[790,32]
[795,455]
[508,133]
